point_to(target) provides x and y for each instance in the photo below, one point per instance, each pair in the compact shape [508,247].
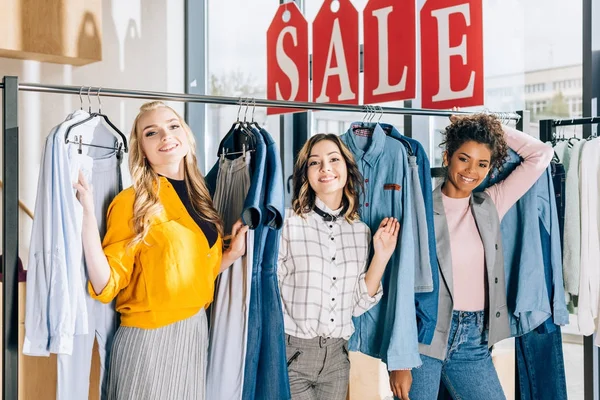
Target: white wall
[143,48]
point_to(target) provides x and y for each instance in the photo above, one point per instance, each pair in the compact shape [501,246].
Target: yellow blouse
[170,275]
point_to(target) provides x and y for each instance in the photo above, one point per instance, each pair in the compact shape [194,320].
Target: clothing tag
[363,132]
[392,186]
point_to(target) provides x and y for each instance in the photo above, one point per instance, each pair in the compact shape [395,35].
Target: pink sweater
[468,262]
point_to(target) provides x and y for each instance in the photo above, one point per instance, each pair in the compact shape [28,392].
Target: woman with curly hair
[472,312]
[162,251]
[322,268]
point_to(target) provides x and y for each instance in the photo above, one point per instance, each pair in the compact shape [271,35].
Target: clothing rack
[591,354]
[10,140]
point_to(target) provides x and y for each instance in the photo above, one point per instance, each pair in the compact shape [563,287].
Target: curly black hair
[480,128]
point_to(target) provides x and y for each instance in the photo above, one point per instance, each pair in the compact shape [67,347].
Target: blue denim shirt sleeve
[402,348]
[274,199]
[427,303]
[549,218]
[252,212]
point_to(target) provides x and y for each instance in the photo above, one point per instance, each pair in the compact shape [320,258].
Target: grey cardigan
[488,224]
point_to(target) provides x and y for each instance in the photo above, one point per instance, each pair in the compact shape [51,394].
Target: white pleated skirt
[167,363]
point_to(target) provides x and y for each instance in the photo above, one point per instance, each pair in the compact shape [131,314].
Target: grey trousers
[319,368]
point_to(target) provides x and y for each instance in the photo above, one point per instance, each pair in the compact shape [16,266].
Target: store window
[237,56]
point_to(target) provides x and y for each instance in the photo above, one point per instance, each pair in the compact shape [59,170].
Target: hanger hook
[253,108]
[80,98]
[239,109]
[99,101]
[89,100]
[373,113]
[380,113]
[247,106]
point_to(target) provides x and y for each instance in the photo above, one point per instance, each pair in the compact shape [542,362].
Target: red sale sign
[336,53]
[452,53]
[287,57]
[389,50]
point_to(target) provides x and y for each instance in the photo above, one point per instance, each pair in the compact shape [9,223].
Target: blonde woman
[160,256]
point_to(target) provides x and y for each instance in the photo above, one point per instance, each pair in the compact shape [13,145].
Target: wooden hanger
[22,206]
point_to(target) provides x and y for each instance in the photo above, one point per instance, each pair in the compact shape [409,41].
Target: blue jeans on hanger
[541,367]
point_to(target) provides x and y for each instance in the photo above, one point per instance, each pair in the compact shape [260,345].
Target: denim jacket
[426,302]
[389,330]
[529,302]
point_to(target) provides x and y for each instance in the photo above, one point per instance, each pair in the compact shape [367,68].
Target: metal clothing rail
[252,102]
[590,352]
[10,177]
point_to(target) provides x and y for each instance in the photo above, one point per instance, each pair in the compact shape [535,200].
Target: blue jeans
[467,371]
[541,367]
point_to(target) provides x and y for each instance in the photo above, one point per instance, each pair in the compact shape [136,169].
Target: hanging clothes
[60,316]
[589,284]
[263,368]
[229,311]
[388,330]
[426,301]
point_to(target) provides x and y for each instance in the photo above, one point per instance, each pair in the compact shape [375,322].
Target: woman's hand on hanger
[237,245]
[85,194]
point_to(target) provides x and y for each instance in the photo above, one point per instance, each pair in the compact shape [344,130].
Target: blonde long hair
[146,182]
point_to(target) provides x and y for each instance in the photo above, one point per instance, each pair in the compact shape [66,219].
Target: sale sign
[335,67]
[389,50]
[287,57]
[451,53]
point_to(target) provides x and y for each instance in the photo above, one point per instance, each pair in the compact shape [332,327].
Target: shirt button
[498,314]
[334,278]
[496,246]
[366,204]
[333,299]
[496,280]
[331,319]
[331,226]
[331,238]
[333,259]
[366,180]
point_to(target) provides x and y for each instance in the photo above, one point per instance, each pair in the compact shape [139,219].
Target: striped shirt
[321,274]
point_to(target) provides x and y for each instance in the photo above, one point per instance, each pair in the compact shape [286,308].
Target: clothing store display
[153,296]
[341,250]
[426,302]
[168,362]
[229,310]
[264,367]
[318,368]
[60,316]
[388,330]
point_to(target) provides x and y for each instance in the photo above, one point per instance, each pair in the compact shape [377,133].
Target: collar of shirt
[375,149]
[319,203]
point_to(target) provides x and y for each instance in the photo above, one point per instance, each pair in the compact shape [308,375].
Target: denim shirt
[426,303]
[528,300]
[388,330]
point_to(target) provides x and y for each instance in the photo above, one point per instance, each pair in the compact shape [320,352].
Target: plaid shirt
[321,274]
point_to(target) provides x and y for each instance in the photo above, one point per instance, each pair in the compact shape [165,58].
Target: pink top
[466,247]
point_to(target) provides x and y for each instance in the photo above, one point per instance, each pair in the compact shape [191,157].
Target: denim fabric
[541,368]
[467,371]
[272,374]
[528,298]
[388,330]
[559,179]
[426,303]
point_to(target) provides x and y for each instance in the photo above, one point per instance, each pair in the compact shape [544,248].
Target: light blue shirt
[56,281]
[388,330]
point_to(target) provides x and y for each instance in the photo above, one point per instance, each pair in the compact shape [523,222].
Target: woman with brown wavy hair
[322,268]
[160,256]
